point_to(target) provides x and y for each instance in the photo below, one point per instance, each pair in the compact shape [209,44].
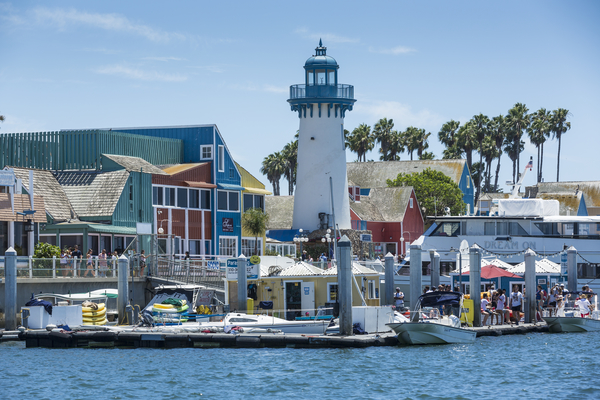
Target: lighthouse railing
[303,91]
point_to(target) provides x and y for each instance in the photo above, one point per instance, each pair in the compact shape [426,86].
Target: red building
[392,215]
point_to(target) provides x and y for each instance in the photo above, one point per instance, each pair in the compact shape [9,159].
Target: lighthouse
[321,179]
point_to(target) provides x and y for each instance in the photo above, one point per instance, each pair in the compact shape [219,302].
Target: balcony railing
[345,92]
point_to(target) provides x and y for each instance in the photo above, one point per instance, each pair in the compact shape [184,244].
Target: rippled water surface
[534,366]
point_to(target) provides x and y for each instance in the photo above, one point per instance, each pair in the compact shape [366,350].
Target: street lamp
[327,238]
[301,238]
[402,240]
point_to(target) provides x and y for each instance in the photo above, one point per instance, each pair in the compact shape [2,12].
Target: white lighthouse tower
[321,104]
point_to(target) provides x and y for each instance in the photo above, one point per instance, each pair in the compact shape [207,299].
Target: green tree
[427,155]
[518,121]
[434,190]
[360,141]
[273,166]
[42,254]
[559,127]
[447,136]
[538,131]
[498,134]
[290,158]
[384,135]
[255,221]
[466,140]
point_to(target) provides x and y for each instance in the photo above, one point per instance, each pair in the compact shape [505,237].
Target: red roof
[492,271]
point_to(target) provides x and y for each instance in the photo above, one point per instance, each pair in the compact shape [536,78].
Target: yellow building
[253,196]
[303,288]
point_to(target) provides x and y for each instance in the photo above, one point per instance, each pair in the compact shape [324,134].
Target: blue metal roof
[317,61]
[228,186]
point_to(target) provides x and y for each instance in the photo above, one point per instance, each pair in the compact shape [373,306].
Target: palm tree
[537,132]
[383,132]
[512,149]
[290,156]
[519,121]
[480,124]
[427,155]
[498,133]
[447,134]
[490,152]
[273,166]
[411,139]
[559,127]
[466,140]
[360,141]
[423,143]
[397,145]
[255,221]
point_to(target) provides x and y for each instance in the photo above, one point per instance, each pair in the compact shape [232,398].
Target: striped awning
[257,191]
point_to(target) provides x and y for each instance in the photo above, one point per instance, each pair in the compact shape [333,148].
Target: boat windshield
[434,299]
[447,229]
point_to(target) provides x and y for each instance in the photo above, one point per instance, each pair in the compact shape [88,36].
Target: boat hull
[431,333]
[316,328]
[572,324]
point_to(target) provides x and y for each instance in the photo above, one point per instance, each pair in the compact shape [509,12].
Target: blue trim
[227,186]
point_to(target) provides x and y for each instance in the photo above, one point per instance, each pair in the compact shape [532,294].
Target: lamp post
[327,239]
[402,241]
[301,238]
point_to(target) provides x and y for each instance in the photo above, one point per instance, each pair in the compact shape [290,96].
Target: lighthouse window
[310,77]
[321,77]
[331,79]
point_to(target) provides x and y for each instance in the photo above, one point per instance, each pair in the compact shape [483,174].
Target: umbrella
[492,271]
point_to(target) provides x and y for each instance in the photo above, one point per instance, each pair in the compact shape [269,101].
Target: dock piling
[416,277]
[529,295]
[475,282]
[389,278]
[10,289]
[345,285]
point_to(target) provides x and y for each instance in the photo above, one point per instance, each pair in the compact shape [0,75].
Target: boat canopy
[434,299]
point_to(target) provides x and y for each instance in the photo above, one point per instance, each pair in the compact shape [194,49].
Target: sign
[255,259]
[365,237]
[7,177]
[214,265]
[143,228]
[252,270]
[227,224]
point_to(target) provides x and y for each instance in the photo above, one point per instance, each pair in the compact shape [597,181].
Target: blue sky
[74,64]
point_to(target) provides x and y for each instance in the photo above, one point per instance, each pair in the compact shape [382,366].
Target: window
[206,152]
[221,158]
[331,79]
[502,228]
[228,246]
[194,198]
[517,230]
[195,247]
[157,196]
[320,76]
[228,201]
[170,197]
[254,201]
[373,290]
[410,202]
[332,291]
[548,228]
[231,173]
[248,247]
[447,229]
[205,197]
[490,228]
[182,198]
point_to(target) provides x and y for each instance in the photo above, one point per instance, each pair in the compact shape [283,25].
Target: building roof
[301,269]
[177,168]
[56,202]
[93,194]
[374,174]
[250,183]
[21,203]
[383,204]
[135,164]
[590,190]
[280,210]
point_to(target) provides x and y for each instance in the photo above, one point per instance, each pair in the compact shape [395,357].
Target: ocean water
[533,366]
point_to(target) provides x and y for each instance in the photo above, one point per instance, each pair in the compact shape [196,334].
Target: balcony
[344,93]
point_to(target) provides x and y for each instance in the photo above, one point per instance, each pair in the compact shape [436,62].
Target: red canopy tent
[492,271]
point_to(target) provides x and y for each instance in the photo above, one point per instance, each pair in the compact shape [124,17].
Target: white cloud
[165,59]
[210,68]
[109,22]
[138,74]
[402,114]
[393,51]
[252,87]
[326,37]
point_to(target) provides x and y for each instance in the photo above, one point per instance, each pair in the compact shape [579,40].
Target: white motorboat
[428,326]
[573,321]
[261,321]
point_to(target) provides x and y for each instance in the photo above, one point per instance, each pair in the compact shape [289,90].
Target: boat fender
[50,327]
[107,336]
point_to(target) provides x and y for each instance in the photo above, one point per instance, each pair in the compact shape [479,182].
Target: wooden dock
[133,339]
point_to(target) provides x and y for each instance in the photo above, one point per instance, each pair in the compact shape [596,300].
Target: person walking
[102,263]
[89,264]
[77,257]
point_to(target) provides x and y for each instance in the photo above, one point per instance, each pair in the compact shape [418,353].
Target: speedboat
[427,325]
[573,321]
[261,321]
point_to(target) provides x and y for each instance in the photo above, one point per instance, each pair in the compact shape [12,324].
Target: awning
[228,186]
[200,185]
[257,191]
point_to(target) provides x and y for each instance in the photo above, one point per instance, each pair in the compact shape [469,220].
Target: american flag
[530,165]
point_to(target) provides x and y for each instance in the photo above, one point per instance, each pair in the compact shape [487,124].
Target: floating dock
[144,339]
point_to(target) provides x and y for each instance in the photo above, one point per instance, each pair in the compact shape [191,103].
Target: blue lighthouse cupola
[321,69]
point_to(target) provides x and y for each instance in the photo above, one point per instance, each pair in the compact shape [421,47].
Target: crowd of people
[74,264]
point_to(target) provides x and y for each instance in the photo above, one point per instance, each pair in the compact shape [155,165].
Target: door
[308,298]
[293,300]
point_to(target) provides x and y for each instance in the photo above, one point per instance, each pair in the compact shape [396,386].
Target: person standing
[63,262]
[102,263]
[584,306]
[89,264]
[77,256]
[143,261]
[114,259]
[516,303]
[501,306]
[399,300]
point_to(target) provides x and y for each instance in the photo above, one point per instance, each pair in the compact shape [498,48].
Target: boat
[428,326]
[262,321]
[512,226]
[571,320]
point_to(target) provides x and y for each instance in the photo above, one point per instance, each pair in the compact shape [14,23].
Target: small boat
[428,326]
[572,321]
[261,321]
